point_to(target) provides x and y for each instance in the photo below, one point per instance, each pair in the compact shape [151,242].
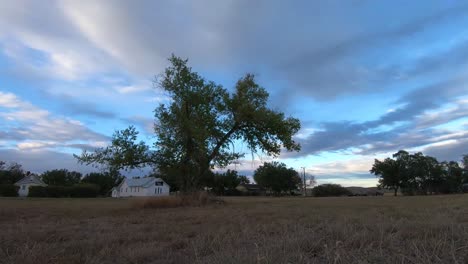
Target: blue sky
[366,78]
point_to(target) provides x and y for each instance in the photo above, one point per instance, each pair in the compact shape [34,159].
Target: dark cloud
[408,126]
[74,107]
[41,160]
[449,152]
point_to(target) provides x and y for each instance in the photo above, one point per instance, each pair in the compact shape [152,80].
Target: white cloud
[34,127]
[9,100]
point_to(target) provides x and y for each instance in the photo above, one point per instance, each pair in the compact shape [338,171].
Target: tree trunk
[395,191]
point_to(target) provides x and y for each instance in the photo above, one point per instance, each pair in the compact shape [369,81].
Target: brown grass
[243,230]
[193,199]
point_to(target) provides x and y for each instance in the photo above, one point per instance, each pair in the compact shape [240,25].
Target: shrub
[37,191]
[326,190]
[76,191]
[8,190]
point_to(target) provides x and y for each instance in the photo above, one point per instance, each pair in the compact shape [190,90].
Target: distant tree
[61,177]
[10,173]
[465,161]
[243,179]
[419,174]
[106,181]
[195,130]
[453,180]
[388,173]
[276,177]
[465,168]
[227,181]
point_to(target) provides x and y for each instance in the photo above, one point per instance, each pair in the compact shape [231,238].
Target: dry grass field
[430,229]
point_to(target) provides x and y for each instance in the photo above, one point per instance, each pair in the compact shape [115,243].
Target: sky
[365,78]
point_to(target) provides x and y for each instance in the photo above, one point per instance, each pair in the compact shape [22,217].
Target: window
[23,187]
[126,189]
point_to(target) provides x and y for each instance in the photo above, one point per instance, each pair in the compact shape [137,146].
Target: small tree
[276,177]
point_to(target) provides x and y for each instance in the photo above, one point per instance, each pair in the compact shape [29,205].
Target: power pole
[304,183]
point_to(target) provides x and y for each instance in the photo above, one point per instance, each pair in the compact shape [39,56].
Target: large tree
[276,177]
[196,129]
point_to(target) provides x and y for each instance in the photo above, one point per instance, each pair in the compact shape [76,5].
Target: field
[431,229]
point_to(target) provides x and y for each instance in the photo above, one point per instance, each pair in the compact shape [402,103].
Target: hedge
[80,190]
[8,190]
[326,190]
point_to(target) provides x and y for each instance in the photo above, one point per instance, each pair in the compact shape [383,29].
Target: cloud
[452,151]
[317,48]
[414,124]
[23,121]
[145,123]
[42,160]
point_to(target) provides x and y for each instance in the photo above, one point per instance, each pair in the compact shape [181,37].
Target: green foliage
[10,173]
[328,190]
[8,190]
[76,191]
[226,183]
[61,177]
[418,174]
[195,130]
[105,181]
[124,152]
[276,177]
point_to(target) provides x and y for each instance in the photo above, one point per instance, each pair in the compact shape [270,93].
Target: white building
[147,186]
[26,182]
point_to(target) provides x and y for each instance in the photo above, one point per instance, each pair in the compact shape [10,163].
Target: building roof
[142,182]
[30,179]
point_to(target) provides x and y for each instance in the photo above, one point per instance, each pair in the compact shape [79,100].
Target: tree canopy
[11,172]
[276,177]
[225,182]
[196,129]
[419,174]
[62,177]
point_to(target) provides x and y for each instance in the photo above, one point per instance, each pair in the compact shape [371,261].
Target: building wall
[157,190]
[23,190]
[152,190]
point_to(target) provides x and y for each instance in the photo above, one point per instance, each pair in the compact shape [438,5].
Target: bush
[84,190]
[37,191]
[8,190]
[76,191]
[326,190]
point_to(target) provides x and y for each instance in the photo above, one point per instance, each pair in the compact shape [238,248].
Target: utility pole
[304,183]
